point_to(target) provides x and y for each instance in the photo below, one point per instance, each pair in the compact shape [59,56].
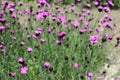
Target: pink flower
[20,60]
[20,3]
[110,3]
[90,74]
[96,3]
[28,36]
[75,65]
[62,19]
[76,24]
[47,64]
[86,24]
[59,41]
[107,9]
[23,69]
[2,28]
[82,31]
[61,34]
[93,39]
[22,43]
[12,74]
[88,5]
[14,15]
[98,30]
[80,18]
[42,40]
[29,49]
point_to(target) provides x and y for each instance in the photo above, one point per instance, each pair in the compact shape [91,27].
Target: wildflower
[98,30]
[20,3]
[107,9]
[100,8]
[59,41]
[4,51]
[28,36]
[46,64]
[23,69]
[21,60]
[14,15]
[2,28]
[110,3]
[93,39]
[29,49]
[34,36]
[90,74]
[88,5]
[96,3]
[61,34]
[76,24]
[49,30]
[12,74]
[80,18]
[22,43]
[42,40]
[62,19]
[75,65]
[86,23]
[110,37]
[14,38]
[82,31]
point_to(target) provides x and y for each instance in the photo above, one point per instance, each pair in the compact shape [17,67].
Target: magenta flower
[96,3]
[34,36]
[40,16]
[4,51]
[88,5]
[110,37]
[29,49]
[20,60]
[28,36]
[108,25]
[20,3]
[80,18]
[14,15]
[49,30]
[93,39]
[12,74]
[23,69]
[82,31]
[42,40]
[46,64]
[22,43]
[90,74]
[2,28]
[110,3]
[107,9]
[75,24]
[98,30]
[75,65]
[86,24]
[10,5]
[58,41]
[100,8]
[61,34]
[62,19]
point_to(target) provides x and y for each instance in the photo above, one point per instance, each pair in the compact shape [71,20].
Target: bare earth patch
[111,69]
